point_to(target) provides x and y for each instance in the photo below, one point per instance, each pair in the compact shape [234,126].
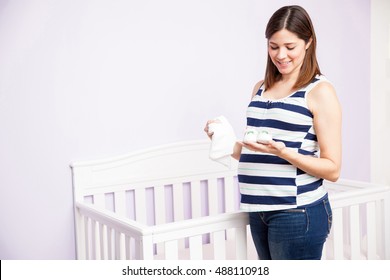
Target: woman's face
[287,51]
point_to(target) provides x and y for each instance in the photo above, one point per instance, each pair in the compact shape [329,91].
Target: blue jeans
[294,234]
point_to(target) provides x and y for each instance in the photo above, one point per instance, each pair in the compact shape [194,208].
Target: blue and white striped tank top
[266,181]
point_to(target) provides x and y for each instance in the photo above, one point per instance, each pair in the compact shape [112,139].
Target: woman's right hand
[207,129]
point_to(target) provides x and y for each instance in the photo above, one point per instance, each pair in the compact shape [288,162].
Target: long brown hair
[296,20]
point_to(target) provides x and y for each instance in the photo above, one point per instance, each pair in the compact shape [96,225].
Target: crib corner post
[387,226]
[80,235]
[145,247]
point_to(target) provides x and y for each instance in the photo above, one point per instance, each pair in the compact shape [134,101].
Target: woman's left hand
[272,147]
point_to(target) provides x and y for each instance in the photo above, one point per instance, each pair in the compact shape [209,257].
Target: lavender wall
[89,79]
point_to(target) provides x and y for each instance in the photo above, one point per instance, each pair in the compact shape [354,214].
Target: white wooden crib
[173,202]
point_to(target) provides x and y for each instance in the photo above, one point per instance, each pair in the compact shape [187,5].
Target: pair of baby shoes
[252,135]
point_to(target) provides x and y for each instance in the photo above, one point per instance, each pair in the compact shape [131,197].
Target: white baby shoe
[264,137]
[250,135]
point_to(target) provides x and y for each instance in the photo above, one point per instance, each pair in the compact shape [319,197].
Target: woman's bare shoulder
[257,87]
[322,95]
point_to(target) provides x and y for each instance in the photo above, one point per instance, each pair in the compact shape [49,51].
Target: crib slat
[195,243]
[229,202]
[81,236]
[95,238]
[120,203]
[354,230]
[241,251]
[213,196]
[119,245]
[217,238]
[178,197]
[122,250]
[110,247]
[140,202]
[380,222]
[103,242]
[127,247]
[219,245]
[371,231]
[159,205]
[133,243]
[195,199]
[229,194]
[338,246]
[159,212]
[171,250]
[137,249]
[178,207]
[87,238]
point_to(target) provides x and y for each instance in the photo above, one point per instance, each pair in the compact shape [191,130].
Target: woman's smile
[287,51]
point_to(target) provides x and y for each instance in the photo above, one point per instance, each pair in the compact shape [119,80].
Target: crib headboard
[165,164]
[131,178]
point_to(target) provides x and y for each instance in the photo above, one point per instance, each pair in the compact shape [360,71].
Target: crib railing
[106,235]
[360,230]
[361,221]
